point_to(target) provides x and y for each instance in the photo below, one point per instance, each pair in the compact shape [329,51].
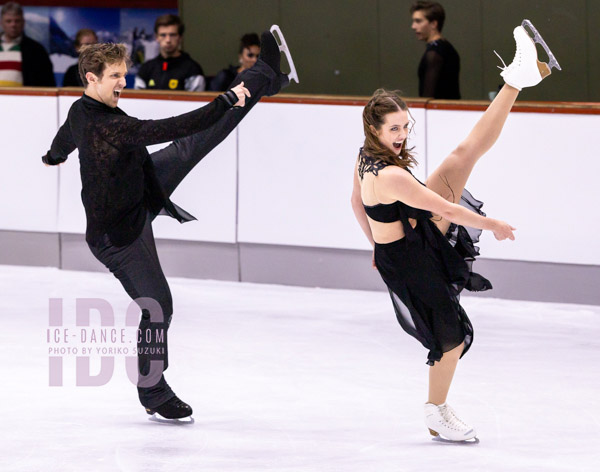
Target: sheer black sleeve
[61,147]
[433,69]
[128,132]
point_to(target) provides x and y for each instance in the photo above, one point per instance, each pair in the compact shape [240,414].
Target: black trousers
[137,265]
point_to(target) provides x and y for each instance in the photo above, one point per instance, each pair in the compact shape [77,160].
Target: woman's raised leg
[450,178]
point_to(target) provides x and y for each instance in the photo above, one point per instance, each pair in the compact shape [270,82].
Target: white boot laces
[516,60]
[503,63]
[453,421]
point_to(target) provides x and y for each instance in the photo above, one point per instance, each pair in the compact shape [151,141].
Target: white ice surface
[299,379]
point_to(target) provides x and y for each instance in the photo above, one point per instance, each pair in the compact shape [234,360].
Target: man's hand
[241,93]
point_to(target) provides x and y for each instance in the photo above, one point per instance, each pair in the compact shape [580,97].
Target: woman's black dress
[425,271]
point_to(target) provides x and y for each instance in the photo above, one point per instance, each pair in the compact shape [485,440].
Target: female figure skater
[421,246]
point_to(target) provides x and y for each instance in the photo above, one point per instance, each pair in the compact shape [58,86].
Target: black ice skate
[171,411]
[271,47]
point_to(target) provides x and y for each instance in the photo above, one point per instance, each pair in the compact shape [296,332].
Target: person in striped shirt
[23,61]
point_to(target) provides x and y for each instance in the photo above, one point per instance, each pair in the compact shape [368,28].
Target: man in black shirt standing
[440,65]
[172,69]
[124,187]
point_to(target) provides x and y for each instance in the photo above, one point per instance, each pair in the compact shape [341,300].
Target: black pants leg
[138,269]
[175,161]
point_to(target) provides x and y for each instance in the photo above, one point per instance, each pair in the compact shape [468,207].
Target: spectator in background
[440,65]
[23,61]
[172,69]
[84,37]
[248,54]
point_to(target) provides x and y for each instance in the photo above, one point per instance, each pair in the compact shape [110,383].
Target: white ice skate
[283,47]
[442,421]
[526,70]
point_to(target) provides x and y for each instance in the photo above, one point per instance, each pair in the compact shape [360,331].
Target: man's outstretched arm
[61,147]
[127,132]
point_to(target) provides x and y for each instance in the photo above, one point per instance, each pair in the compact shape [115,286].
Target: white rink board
[296,170]
[295,177]
[541,176]
[28,189]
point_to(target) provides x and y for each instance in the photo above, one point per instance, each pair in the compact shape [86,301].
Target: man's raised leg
[265,78]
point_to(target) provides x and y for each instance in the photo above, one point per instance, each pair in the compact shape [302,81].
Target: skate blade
[436,437]
[283,47]
[537,37]
[466,442]
[156,418]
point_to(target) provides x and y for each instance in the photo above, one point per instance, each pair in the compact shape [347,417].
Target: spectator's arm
[195,83]
[139,83]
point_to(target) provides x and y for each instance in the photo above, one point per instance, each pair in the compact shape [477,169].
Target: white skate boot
[442,421]
[526,70]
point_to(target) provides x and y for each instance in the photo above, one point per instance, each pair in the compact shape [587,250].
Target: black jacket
[169,74]
[223,79]
[119,183]
[71,77]
[37,68]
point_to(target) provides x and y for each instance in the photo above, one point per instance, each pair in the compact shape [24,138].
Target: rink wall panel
[29,189]
[541,176]
[273,200]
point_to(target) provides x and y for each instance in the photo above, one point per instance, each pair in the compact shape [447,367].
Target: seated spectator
[84,37]
[248,54]
[23,61]
[172,69]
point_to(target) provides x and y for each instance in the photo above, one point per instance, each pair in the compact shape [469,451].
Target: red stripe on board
[10,65]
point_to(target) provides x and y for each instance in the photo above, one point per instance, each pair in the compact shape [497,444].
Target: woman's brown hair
[382,103]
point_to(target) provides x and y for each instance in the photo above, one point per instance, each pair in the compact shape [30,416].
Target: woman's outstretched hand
[502,230]
[241,93]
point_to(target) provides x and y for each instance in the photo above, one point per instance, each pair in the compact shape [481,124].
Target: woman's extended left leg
[450,178]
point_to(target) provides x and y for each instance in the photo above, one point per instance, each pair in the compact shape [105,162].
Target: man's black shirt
[438,71]
[119,183]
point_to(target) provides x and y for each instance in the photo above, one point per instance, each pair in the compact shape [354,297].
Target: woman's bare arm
[358,208]
[395,183]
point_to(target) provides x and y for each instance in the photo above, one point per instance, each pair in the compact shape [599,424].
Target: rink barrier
[241,255]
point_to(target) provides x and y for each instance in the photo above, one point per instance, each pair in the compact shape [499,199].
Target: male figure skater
[124,187]
[440,65]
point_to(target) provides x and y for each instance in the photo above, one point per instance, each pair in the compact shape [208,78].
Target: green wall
[352,47]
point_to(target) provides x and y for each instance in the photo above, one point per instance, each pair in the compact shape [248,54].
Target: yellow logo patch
[173,83]
[151,83]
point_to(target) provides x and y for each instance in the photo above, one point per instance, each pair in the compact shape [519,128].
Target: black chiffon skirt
[425,275]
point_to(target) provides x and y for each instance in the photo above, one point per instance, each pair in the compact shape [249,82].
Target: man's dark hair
[433,11]
[169,20]
[249,39]
[12,7]
[95,57]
